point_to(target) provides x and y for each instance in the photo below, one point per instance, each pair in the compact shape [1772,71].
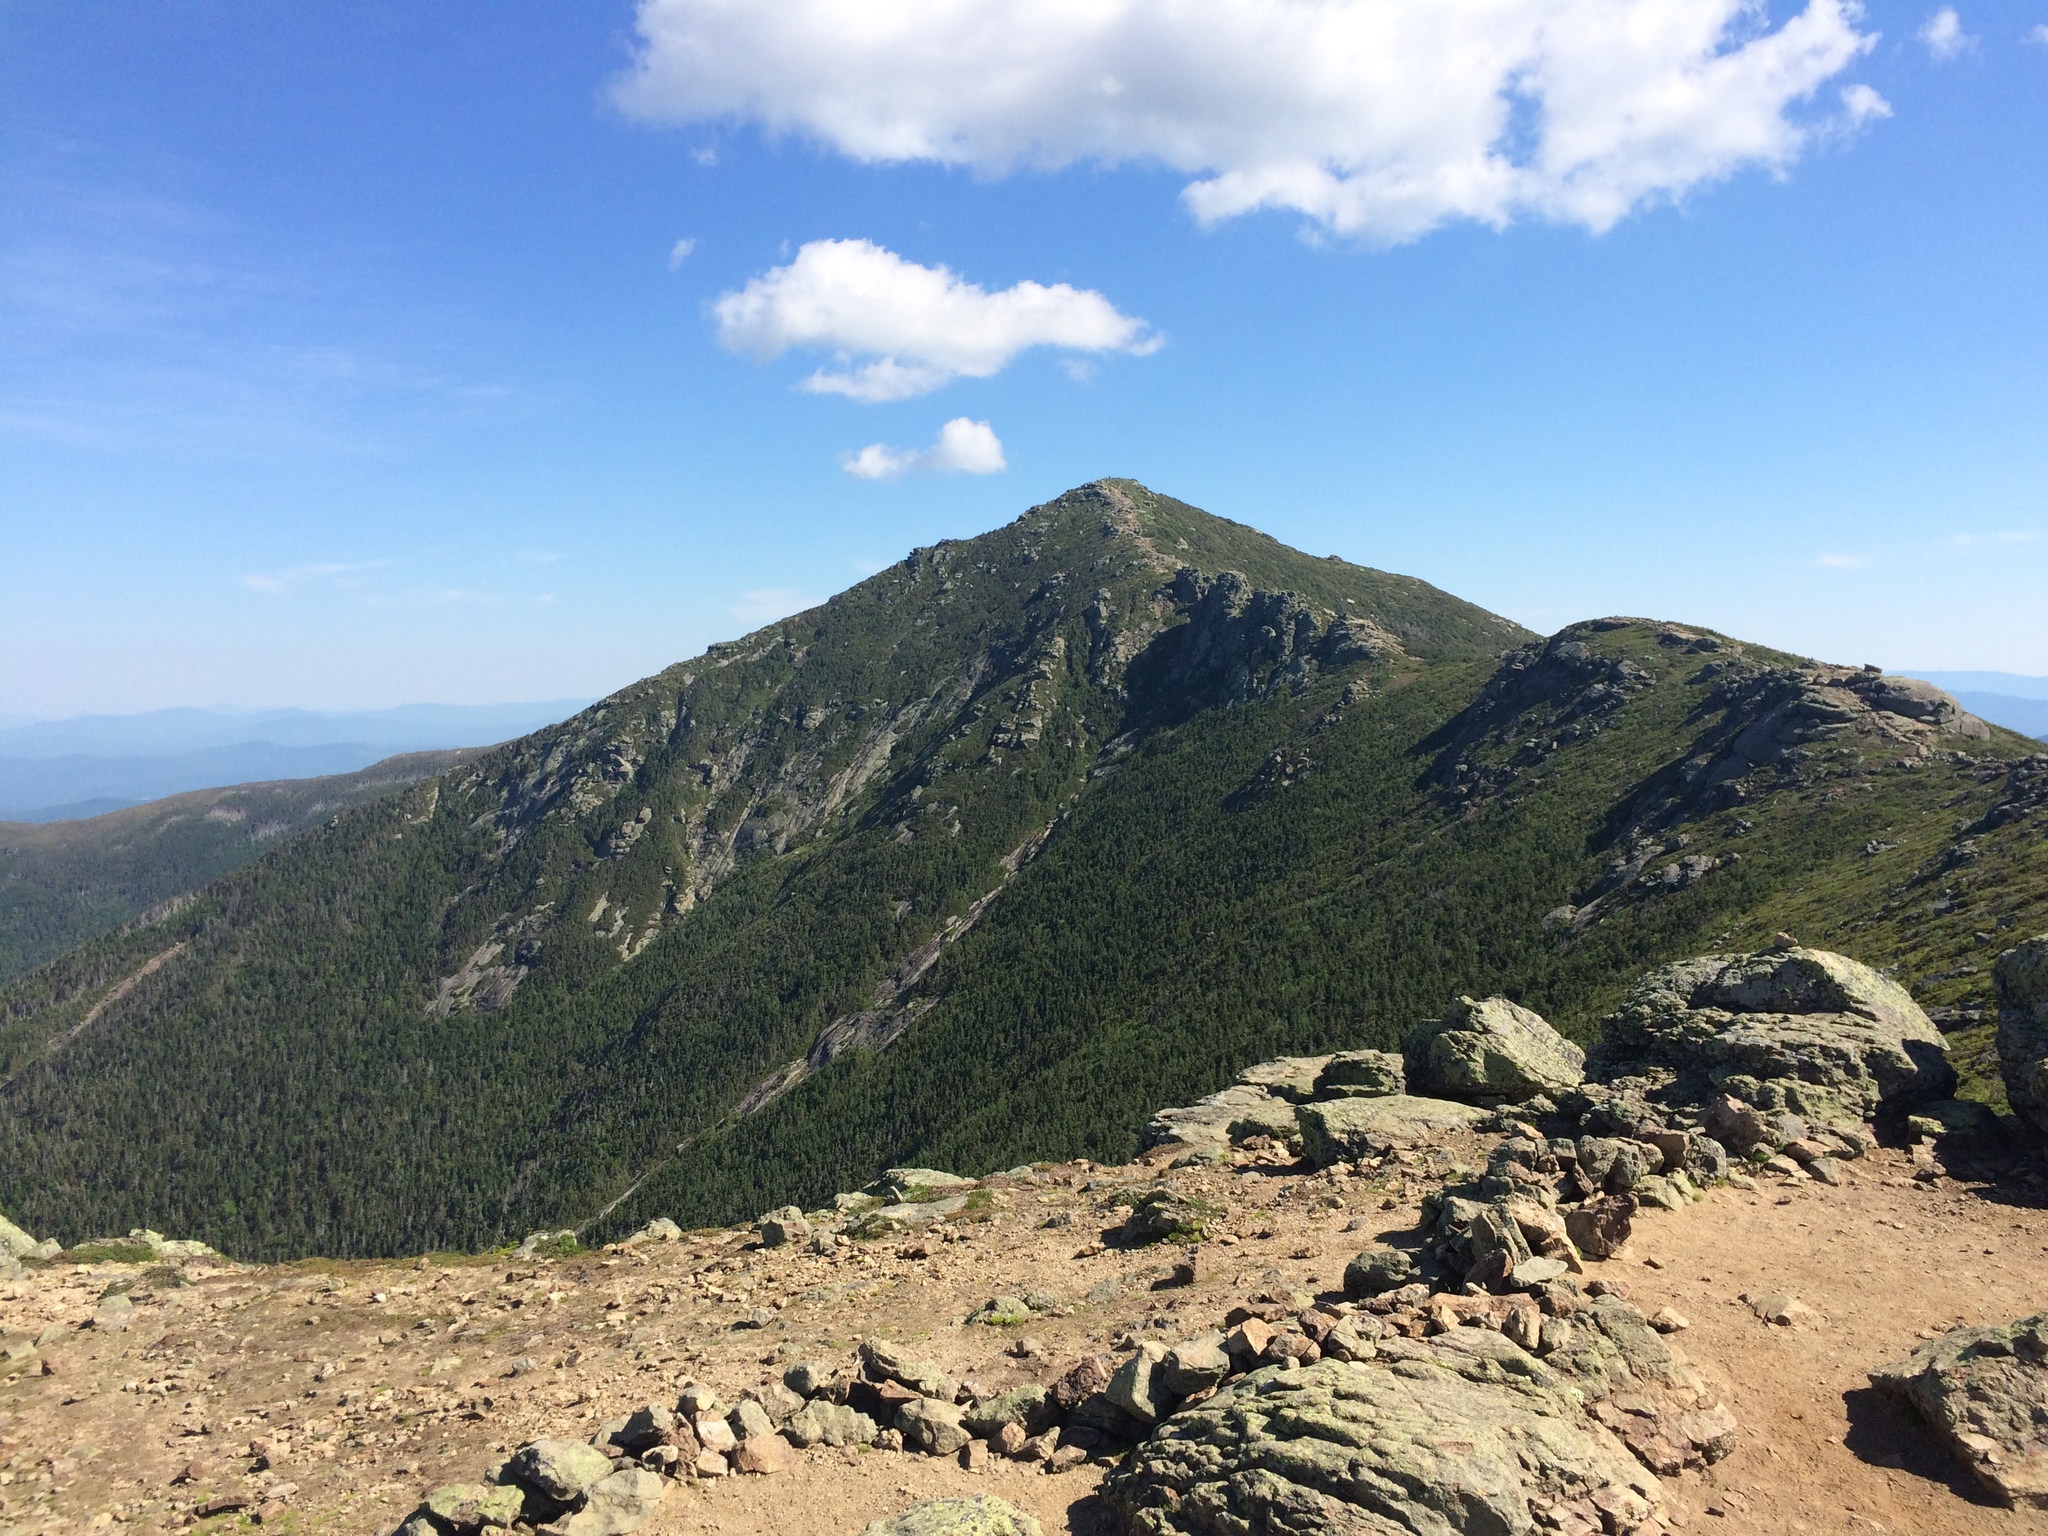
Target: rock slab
[1984,1392]
[1373,1448]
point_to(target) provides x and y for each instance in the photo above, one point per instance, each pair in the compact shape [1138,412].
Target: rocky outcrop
[1491,1052]
[2021,975]
[1787,1028]
[1432,1439]
[1984,1391]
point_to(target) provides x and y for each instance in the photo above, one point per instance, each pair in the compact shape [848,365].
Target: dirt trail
[373,1381]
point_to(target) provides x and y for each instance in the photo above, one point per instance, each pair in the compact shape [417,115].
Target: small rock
[714,1433]
[709,1464]
[1600,1227]
[762,1455]
[1376,1271]
[931,1427]
[1667,1320]
[1779,1308]
[974,1456]
[807,1378]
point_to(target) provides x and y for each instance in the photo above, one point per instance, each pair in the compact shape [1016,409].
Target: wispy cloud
[680,252]
[963,447]
[140,323]
[1993,540]
[313,573]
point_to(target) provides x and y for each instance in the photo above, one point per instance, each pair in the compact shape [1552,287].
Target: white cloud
[680,252]
[2038,33]
[963,448]
[1944,35]
[1378,118]
[920,326]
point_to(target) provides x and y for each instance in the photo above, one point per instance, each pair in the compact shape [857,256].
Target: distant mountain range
[54,770]
[2009,699]
[981,862]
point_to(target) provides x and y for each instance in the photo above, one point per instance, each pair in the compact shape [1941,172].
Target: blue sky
[348,356]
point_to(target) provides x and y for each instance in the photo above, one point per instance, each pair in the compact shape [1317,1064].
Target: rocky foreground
[1636,1303]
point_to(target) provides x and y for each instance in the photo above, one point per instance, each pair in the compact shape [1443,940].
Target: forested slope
[64,882]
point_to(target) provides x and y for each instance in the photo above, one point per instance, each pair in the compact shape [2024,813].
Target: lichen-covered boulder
[1383,1447]
[1491,1052]
[1340,1130]
[471,1506]
[978,1516]
[2021,975]
[558,1469]
[1984,1391]
[1803,1029]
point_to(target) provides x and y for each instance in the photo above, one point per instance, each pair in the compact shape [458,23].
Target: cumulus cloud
[920,327]
[1376,118]
[1944,36]
[963,448]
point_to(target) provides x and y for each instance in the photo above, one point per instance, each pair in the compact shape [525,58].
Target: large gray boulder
[1341,1130]
[1415,1444]
[1804,1029]
[1491,1052]
[2021,975]
[1984,1392]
